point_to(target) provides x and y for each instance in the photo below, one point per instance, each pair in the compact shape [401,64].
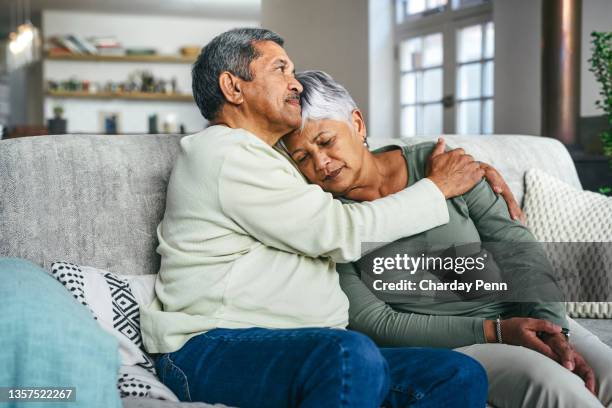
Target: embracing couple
[260,274]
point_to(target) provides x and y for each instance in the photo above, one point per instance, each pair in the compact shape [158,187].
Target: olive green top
[480,215]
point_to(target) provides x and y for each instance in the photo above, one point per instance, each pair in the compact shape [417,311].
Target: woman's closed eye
[327,142]
[301,158]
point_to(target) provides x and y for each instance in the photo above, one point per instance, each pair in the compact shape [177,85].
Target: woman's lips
[333,175]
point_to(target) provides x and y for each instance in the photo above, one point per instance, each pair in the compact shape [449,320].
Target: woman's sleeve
[389,328]
[489,213]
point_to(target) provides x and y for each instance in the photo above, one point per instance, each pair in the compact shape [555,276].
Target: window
[475,67]
[446,67]
[421,85]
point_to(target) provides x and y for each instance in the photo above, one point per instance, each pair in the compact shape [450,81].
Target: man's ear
[231,88]
[359,124]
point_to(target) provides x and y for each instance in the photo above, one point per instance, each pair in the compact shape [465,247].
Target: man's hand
[569,358]
[498,184]
[454,172]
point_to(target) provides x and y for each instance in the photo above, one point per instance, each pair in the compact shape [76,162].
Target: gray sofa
[97,199]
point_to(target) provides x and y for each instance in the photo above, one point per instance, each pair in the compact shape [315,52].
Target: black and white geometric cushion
[113,304]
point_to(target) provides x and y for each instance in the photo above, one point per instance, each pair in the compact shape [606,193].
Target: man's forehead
[270,50]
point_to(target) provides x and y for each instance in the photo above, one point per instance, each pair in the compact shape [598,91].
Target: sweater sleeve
[490,215]
[260,192]
[389,328]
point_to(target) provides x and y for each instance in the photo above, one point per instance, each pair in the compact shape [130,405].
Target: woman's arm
[389,328]
[489,213]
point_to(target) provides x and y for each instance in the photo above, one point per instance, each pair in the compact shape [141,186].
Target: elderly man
[249,311]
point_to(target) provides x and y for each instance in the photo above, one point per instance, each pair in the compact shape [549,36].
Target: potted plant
[601,66]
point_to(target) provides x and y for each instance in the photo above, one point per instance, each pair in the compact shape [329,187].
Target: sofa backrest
[511,155]
[87,199]
[97,199]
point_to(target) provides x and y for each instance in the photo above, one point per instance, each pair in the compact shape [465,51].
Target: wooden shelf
[123,58]
[141,96]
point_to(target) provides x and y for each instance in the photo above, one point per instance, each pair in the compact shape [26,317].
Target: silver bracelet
[498,329]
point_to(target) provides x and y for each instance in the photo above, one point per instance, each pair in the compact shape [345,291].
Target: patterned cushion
[114,300]
[558,212]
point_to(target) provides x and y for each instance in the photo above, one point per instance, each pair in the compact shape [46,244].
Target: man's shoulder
[213,140]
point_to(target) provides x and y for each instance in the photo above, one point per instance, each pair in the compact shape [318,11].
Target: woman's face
[330,153]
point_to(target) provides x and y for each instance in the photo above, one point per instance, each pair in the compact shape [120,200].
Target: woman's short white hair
[324,98]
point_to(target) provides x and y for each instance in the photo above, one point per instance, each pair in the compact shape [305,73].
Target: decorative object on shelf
[169,123]
[190,51]
[110,122]
[601,66]
[57,125]
[139,85]
[153,124]
[24,43]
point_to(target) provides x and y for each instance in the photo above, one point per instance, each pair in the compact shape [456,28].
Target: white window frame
[447,22]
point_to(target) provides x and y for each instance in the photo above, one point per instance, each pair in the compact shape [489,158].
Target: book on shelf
[85,46]
[111,51]
[64,42]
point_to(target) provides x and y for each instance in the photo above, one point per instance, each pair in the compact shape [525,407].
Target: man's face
[272,97]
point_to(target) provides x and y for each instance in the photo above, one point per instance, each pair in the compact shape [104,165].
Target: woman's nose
[321,161]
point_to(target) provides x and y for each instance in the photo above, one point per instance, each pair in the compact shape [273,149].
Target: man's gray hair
[230,51]
[324,98]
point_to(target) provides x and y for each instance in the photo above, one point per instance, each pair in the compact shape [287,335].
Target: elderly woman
[535,364]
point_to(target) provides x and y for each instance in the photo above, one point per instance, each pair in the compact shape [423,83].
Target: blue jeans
[317,367]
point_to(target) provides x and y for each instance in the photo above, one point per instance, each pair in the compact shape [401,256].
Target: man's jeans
[318,368]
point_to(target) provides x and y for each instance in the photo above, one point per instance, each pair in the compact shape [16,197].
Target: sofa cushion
[47,339]
[559,213]
[113,301]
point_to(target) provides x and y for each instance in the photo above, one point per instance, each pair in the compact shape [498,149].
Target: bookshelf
[178,59]
[137,96]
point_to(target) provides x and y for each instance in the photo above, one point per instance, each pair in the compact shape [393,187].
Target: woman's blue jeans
[318,367]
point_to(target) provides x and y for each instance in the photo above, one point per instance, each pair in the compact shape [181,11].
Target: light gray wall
[330,35]
[382,75]
[596,16]
[518,33]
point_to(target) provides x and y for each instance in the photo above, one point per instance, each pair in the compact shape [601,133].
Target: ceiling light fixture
[24,43]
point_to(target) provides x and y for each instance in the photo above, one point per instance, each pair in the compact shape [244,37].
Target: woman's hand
[569,358]
[523,331]
[498,184]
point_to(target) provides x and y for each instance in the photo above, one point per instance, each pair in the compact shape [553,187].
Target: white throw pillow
[559,212]
[114,300]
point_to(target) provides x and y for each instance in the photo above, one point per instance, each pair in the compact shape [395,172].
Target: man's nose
[295,85]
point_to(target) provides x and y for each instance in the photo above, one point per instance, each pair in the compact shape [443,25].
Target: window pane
[488,79]
[435,3]
[432,119]
[487,120]
[432,85]
[432,53]
[410,51]
[408,90]
[466,3]
[470,43]
[400,10]
[419,120]
[408,121]
[469,81]
[489,40]
[468,118]
[416,6]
